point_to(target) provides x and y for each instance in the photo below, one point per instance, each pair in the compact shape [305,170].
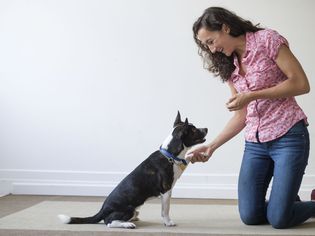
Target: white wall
[88,89]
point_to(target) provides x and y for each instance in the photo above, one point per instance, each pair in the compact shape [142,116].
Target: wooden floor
[12,203]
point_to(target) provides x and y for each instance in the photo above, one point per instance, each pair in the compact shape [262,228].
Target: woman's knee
[277,221]
[252,217]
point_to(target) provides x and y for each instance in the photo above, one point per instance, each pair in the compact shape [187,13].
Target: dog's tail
[81,220]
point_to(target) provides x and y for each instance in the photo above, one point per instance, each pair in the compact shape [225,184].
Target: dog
[155,176]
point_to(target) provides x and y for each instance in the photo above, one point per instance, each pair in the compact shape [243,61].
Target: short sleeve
[273,41]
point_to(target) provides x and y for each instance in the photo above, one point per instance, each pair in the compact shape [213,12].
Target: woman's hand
[200,154]
[238,101]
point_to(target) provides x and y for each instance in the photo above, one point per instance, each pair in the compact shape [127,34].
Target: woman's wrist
[251,96]
[213,146]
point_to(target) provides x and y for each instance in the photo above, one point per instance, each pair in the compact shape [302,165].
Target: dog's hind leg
[166,200]
[120,220]
[135,216]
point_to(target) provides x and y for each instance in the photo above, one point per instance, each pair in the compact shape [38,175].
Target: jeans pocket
[295,140]
[299,129]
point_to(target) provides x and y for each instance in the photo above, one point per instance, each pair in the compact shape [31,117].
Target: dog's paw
[121,224]
[169,223]
[128,225]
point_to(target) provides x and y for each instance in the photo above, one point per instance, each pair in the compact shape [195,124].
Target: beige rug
[41,219]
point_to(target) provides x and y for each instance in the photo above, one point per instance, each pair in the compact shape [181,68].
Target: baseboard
[83,183]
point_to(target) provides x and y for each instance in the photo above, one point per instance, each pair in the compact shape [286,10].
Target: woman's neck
[240,46]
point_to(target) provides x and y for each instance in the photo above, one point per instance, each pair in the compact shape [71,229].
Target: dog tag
[182,166]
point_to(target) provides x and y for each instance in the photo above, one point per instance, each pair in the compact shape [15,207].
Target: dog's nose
[205,130]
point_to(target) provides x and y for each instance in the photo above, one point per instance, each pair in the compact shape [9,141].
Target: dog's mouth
[202,140]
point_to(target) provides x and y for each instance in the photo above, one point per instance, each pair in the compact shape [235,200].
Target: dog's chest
[178,170]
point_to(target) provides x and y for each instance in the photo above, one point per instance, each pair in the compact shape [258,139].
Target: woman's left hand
[238,101]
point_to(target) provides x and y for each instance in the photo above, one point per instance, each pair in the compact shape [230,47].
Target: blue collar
[170,156]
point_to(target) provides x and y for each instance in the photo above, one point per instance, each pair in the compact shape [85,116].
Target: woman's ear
[226,29]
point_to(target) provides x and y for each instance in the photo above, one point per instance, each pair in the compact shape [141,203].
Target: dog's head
[185,134]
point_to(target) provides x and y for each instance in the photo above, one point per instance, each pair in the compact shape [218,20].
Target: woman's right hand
[200,153]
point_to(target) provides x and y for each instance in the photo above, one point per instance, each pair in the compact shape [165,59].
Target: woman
[264,76]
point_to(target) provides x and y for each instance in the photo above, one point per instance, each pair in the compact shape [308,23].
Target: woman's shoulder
[269,40]
[266,34]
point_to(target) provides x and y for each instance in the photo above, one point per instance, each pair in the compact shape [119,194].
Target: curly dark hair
[213,19]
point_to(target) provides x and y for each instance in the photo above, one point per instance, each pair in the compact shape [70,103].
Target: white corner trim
[5,188]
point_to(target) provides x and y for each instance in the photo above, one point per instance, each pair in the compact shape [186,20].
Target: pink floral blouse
[266,119]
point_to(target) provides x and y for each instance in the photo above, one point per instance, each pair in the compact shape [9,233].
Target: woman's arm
[232,128]
[234,125]
[296,84]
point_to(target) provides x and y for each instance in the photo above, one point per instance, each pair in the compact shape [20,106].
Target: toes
[121,224]
[170,224]
[129,225]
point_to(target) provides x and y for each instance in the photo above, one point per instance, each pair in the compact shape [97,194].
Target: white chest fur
[178,167]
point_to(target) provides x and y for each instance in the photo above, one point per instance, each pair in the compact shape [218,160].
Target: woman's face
[217,41]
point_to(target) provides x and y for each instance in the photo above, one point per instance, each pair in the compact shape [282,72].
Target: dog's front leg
[166,200]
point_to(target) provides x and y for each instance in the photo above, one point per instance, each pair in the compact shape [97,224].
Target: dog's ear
[177,120]
[185,130]
[186,122]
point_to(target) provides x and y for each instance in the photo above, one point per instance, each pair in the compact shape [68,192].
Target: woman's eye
[209,42]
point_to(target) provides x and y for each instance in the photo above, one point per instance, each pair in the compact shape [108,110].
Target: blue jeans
[285,160]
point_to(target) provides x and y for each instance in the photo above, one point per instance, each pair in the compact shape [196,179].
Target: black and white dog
[153,177]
